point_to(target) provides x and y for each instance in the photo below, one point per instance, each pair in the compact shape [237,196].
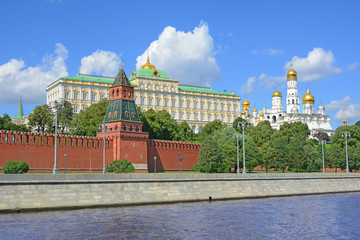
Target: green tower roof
[121,79]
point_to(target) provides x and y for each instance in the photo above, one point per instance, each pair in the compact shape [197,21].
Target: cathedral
[317,122]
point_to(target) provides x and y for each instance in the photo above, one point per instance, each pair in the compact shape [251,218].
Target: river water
[334,216]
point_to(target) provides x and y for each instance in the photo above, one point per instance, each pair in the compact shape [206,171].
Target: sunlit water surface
[335,216]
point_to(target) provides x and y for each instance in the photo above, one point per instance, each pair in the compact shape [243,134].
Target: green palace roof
[202,90]
[149,73]
[89,78]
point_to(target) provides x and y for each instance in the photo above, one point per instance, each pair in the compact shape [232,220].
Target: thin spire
[291,62]
[20,109]
[344,118]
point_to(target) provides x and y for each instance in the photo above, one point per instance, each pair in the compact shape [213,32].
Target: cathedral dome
[245,103]
[254,110]
[243,113]
[276,93]
[321,107]
[261,114]
[148,65]
[308,97]
[291,73]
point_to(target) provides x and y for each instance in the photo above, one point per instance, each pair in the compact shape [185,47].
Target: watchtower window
[117,92]
[124,93]
[113,93]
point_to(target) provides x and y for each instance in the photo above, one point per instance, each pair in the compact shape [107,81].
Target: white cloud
[353,66]
[270,81]
[352,111]
[268,51]
[318,64]
[18,79]
[187,56]
[104,63]
[248,87]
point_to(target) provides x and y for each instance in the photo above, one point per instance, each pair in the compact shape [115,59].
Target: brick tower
[124,125]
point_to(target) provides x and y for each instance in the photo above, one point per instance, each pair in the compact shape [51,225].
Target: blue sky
[241,46]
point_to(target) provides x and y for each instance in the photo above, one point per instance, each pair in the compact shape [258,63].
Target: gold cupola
[148,65]
[308,97]
[243,112]
[246,104]
[291,74]
[254,110]
[261,114]
[276,93]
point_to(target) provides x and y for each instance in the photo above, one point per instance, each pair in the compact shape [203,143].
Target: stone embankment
[32,192]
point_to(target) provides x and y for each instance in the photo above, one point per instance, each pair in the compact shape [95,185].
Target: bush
[120,166]
[16,167]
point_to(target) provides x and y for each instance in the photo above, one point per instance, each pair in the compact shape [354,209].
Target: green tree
[15,167]
[120,166]
[261,133]
[211,156]
[253,155]
[269,156]
[313,159]
[6,119]
[185,134]
[41,118]
[7,124]
[335,155]
[357,123]
[238,122]
[160,125]
[210,128]
[65,115]
[282,152]
[87,122]
[296,154]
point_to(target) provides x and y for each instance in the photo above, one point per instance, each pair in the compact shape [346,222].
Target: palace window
[209,105]
[150,100]
[101,96]
[181,102]
[142,99]
[188,116]
[222,107]
[222,118]
[84,107]
[93,96]
[76,95]
[193,128]
[229,107]
[173,114]
[196,116]
[202,117]
[67,93]
[201,105]
[158,101]
[195,104]
[188,103]
[181,115]
[173,102]
[76,109]
[84,95]
[216,106]
[166,102]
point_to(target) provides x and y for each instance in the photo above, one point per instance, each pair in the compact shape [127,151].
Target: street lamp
[243,136]
[154,164]
[65,155]
[346,135]
[103,127]
[180,159]
[323,156]
[237,145]
[56,107]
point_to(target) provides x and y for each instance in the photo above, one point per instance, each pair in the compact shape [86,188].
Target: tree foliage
[41,118]
[7,124]
[16,167]
[87,122]
[120,166]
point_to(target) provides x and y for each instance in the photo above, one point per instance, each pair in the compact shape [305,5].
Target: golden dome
[148,65]
[291,72]
[243,112]
[245,109]
[308,97]
[245,103]
[276,93]
[261,114]
[254,110]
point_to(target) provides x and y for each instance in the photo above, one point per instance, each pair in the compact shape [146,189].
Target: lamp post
[243,137]
[346,135]
[103,127]
[180,159]
[56,107]
[237,151]
[323,156]
[154,164]
[65,155]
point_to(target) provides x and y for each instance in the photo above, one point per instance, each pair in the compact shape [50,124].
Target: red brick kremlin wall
[85,154]
[166,153]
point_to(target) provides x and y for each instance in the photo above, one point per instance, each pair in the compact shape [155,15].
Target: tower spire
[20,113]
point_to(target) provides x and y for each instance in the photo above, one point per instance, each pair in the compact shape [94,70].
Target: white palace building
[153,89]
[317,122]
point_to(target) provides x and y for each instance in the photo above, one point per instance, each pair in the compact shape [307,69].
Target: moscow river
[333,216]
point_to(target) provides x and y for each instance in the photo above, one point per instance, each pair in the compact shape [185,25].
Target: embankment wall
[41,192]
